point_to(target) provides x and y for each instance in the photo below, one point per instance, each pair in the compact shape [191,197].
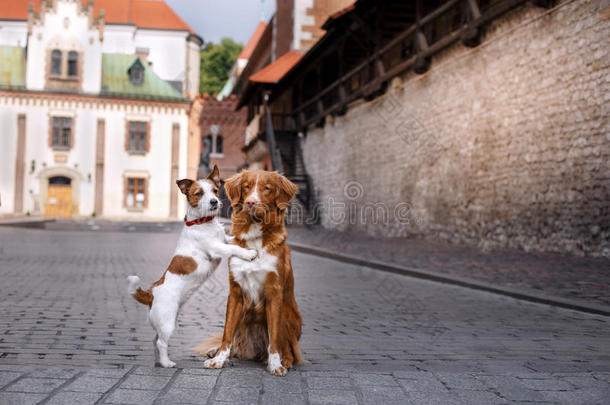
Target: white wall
[8,153]
[119,39]
[13,33]
[155,165]
[80,162]
[167,51]
[65,28]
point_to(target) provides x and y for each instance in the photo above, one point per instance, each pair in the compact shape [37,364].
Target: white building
[94,102]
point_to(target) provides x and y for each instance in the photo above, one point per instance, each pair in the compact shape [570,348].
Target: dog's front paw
[251,255]
[278,371]
[213,363]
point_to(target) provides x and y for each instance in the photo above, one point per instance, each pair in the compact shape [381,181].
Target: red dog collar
[198,221]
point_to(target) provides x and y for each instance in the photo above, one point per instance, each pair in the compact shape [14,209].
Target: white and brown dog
[262,321]
[201,246]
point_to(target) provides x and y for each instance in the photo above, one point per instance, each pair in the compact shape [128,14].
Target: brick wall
[232,125]
[504,145]
[320,11]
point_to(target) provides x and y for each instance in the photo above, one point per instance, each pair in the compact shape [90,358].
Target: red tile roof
[154,14]
[256,36]
[273,72]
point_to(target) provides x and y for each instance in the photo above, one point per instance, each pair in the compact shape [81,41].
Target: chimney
[142,54]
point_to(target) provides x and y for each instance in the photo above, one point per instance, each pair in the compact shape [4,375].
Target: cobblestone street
[71,334]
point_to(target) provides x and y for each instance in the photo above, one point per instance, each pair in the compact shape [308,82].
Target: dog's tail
[134,289]
[209,346]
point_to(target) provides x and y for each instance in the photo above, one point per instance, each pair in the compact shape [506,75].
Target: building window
[136,195]
[214,142]
[61,135]
[72,64]
[56,62]
[136,72]
[138,137]
[219,144]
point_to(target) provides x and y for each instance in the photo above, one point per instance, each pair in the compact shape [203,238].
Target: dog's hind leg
[164,322]
[156,349]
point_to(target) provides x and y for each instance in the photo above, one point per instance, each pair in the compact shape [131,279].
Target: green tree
[216,63]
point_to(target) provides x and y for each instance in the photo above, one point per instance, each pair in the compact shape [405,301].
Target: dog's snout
[250,202]
[214,203]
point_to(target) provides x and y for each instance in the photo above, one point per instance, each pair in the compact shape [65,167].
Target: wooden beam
[422,64]
[425,52]
[472,37]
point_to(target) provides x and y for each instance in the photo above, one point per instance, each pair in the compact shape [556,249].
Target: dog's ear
[184,185]
[233,188]
[286,191]
[214,176]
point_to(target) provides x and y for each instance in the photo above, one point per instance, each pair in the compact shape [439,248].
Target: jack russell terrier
[201,246]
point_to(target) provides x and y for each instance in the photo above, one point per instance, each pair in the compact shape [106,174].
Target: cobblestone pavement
[566,276]
[70,334]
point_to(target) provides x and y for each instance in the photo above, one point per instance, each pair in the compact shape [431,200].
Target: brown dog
[262,320]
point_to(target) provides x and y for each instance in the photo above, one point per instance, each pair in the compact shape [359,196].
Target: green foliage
[216,63]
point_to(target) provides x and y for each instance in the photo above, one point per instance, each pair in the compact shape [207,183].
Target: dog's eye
[199,193]
[246,187]
[267,188]
[215,191]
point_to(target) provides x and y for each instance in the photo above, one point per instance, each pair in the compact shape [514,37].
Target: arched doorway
[59,197]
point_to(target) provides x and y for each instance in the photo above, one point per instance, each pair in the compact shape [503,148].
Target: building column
[99,167]
[20,164]
[173,193]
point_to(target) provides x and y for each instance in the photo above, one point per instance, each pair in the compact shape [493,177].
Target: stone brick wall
[503,145]
[316,16]
[232,126]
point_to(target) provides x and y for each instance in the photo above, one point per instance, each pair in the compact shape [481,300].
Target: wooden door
[59,201]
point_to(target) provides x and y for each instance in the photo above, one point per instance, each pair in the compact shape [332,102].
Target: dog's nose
[214,203]
[250,202]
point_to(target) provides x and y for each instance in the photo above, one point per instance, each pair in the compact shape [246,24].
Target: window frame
[138,185]
[214,144]
[55,62]
[72,62]
[61,132]
[137,138]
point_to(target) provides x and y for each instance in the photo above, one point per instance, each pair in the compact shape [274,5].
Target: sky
[216,19]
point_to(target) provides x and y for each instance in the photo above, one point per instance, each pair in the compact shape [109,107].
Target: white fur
[254,196]
[134,283]
[250,275]
[206,244]
[274,363]
[219,360]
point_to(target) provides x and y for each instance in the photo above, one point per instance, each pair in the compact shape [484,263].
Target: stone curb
[525,295]
[25,222]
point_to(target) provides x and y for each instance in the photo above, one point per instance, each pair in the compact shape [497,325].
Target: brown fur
[191,189]
[182,265]
[248,327]
[146,296]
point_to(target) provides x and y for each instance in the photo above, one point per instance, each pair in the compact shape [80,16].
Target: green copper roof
[12,67]
[116,82]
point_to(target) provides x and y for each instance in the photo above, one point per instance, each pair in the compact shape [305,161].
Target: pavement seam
[21,377]
[215,387]
[56,390]
[115,386]
[167,386]
[464,282]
